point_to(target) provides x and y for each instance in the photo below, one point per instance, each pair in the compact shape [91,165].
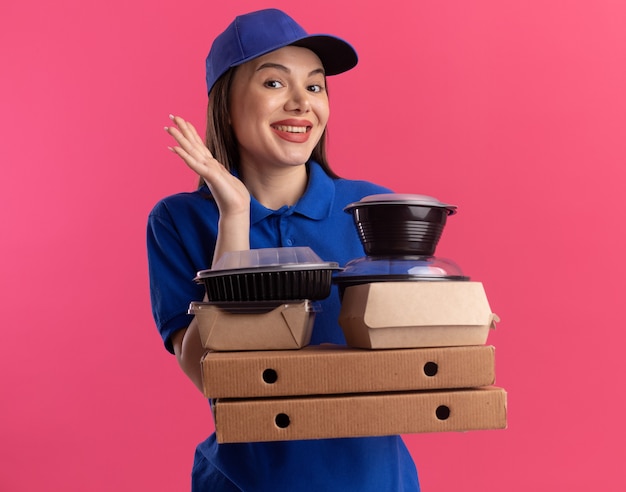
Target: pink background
[513,110]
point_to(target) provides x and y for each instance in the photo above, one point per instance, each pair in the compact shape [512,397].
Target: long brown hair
[220,138]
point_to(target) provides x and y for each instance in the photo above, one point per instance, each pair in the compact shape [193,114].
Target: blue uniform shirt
[182,230]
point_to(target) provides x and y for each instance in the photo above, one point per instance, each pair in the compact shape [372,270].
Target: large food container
[385,315]
[268,274]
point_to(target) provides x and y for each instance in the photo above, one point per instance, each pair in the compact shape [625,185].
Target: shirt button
[289,242]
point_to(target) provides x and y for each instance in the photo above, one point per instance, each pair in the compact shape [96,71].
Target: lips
[293,130]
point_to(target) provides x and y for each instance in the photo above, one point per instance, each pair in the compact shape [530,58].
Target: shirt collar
[316,203]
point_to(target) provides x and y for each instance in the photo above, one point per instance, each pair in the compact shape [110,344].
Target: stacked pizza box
[414,363]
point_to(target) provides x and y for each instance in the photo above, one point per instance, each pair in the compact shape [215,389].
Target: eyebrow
[283,68]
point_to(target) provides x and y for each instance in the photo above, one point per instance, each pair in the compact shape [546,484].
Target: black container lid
[400,199]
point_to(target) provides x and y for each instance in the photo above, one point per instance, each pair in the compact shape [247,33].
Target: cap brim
[337,55]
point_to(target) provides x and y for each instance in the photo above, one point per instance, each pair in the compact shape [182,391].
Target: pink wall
[514,111]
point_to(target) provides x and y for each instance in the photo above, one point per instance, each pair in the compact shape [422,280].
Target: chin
[299,162]
[296,159]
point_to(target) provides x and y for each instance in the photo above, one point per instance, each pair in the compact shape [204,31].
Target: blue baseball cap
[257,33]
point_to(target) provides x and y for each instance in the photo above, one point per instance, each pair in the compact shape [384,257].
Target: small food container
[268,274]
[255,326]
[399,224]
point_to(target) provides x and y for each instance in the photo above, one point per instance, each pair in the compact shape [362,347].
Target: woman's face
[279,107]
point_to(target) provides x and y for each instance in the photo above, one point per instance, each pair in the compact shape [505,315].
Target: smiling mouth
[291,129]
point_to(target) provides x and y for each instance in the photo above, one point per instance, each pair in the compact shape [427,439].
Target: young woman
[265,182]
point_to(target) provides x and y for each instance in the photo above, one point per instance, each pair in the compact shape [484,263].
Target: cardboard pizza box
[319,417]
[328,369]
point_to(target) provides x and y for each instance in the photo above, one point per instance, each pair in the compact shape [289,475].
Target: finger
[189,160]
[190,146]
[192,150]
[185,128]
[190,141]
[188,130]
[198,158]
[195,134]
[178,137]
[196,166]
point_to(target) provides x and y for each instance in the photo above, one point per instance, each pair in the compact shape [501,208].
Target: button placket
[287,238]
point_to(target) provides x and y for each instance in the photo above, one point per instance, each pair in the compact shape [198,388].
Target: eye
[315,88]
[273,84]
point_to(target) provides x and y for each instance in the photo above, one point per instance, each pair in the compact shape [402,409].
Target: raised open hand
[230,193]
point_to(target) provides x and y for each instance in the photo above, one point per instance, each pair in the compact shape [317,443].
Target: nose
[298,101]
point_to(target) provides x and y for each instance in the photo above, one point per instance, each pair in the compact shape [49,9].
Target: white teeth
[291,129]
